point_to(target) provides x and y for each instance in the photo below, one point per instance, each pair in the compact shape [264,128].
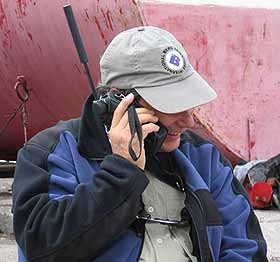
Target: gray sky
[269,4]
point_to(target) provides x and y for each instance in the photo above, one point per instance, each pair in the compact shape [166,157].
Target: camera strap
[135,128]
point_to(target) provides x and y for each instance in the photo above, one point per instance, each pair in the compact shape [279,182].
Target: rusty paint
[86,11]
[120,10]
[109,18]
[5,55]
[7,39]
[245,71]
[105,18]
[208,69]
[259,62]
[21,7]
[2,15]
[264,30]
[197,62]
[21,26]
[201,40]
[252,144]
[100,30]
[6,43]
[30,36]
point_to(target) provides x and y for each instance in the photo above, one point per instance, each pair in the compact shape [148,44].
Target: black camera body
[107,104]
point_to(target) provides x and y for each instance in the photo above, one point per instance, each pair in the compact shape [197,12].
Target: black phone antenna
[79,44]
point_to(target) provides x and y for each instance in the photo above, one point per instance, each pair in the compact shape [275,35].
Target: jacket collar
[93,142]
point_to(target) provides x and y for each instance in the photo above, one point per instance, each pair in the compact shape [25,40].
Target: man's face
[176,124]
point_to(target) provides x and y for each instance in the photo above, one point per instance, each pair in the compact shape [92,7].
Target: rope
[23,95]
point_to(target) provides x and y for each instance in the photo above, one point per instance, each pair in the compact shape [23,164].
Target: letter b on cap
[175,60]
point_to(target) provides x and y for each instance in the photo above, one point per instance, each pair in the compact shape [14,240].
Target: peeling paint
[105,18]
[264,30]
[7,40]
[100,30]
[5,55]
[252,144]
[245,71]
[86,11]
[21,26]
[109,18]
[2,15]
[21,7]
[259,62]
[30,36]
[201,41]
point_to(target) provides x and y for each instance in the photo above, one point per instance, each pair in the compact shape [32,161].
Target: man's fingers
[121,109]
[124,120]
[145,118]
[149,128]
[143,110]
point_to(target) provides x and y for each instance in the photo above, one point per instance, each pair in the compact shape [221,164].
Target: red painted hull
[231,47]
[35,41]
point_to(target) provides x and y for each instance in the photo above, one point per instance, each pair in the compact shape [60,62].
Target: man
[83,194]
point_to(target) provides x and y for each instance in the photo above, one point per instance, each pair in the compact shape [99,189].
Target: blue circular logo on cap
[173,61]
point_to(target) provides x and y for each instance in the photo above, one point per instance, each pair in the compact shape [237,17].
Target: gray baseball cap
[155,64]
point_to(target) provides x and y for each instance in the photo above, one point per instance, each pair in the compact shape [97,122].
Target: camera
[107,104]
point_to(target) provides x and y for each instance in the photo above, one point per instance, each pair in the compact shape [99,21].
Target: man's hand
[119,133]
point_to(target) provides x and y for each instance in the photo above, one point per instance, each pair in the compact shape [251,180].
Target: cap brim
[177,97]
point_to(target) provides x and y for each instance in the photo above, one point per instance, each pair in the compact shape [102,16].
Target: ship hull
[231,47]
